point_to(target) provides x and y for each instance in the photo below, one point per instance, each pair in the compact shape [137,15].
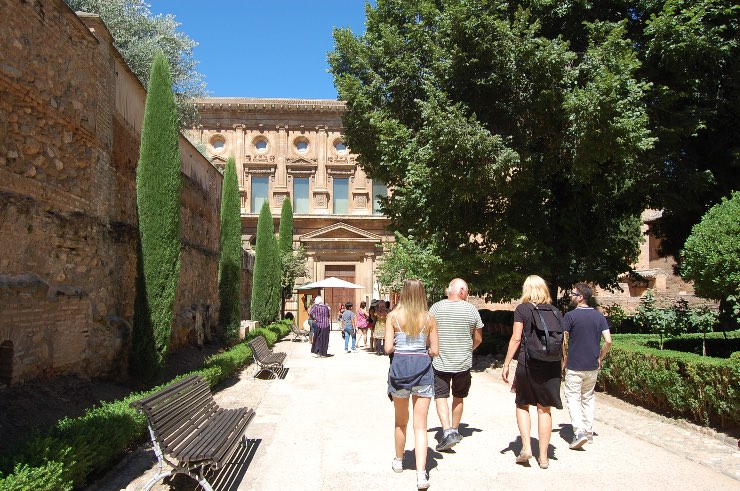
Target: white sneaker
[422,480]
[397,465]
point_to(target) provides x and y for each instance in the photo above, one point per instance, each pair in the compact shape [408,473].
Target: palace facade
[294,149]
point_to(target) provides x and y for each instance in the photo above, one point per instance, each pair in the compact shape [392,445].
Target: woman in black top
[537,382]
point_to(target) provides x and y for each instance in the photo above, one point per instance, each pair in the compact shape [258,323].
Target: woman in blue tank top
[411,335]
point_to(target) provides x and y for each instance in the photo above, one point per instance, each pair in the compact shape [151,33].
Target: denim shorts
[417,390]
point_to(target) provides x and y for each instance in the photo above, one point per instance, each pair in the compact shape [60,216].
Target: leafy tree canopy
[406,259]
[508,151]
[138,35]
[688,51]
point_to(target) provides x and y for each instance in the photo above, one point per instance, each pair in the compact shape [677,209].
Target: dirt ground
[40,404]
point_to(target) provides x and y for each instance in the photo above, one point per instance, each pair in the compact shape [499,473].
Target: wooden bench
[298,333]
[189,431]
[265,358]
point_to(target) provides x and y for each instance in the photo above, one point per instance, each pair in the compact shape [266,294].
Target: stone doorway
[334,296]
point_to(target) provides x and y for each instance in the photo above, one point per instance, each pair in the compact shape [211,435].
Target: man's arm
[606,346]
[477,337]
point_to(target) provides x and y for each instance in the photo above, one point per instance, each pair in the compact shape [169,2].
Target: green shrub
[158,186]
[75,449]
[704,389]
[47,477]
[230,260]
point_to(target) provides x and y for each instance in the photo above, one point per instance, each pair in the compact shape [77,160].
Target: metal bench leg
[153,481]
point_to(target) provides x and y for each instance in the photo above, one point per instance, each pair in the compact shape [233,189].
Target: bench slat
[212,436]
[176,415]
[187,433]
[235,437]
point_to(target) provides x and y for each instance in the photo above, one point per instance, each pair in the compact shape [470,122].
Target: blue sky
[265,48]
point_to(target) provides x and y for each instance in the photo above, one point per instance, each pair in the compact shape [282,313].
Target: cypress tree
[158,204]
[266,284]
[285,246]
[285,232]
[229,266]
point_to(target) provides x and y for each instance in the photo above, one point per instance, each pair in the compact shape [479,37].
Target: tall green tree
[230,261]
[266,285]
[285,228]
[508,151]
[158,186]
[292,263]
[138,35]
[688,51]
[406,259]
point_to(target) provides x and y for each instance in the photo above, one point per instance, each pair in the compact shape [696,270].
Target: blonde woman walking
[411,335]
[537,382]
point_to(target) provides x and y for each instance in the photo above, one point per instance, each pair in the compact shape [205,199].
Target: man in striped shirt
[460,331]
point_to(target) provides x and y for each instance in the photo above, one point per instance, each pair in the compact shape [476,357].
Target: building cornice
[270,105]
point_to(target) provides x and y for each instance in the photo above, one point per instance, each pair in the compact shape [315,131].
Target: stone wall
[70,119]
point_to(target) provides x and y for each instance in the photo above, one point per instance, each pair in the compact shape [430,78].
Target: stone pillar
[239,153]
[369,270]
[322,156]
[311,265]
[281,173]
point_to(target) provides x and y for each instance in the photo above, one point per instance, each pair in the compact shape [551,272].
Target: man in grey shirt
[460,331]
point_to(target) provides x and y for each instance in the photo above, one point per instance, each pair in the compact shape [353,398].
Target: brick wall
[70,119]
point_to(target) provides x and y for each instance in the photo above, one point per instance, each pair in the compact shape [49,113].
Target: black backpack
[544,341]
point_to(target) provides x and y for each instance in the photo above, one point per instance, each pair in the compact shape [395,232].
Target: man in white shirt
[460,331]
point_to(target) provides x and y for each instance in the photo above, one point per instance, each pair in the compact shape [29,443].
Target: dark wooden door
[334,296]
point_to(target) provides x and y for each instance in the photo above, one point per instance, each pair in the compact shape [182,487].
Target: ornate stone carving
[302,160]
[259,159]
[360,201]
[258,170]
[320,200]
[279,198]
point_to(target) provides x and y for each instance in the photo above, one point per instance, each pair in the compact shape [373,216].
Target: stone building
[293,149]
[70,122]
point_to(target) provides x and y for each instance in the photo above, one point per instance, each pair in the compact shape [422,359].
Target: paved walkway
[328,425]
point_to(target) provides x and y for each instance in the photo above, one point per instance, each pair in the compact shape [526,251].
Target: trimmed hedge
[701,388]
[74,449]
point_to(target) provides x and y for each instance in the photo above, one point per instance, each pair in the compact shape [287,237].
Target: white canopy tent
[330,282]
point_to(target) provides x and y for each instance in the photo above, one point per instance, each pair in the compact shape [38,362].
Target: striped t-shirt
[455,323]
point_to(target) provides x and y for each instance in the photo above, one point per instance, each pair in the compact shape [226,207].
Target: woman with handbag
[537,382]
[411,336]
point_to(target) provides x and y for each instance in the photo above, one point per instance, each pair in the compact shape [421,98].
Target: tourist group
[431,352]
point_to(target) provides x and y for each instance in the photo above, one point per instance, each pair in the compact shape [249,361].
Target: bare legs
[544,429]
[402,421]
[524,423]
[420,410]
[444,412]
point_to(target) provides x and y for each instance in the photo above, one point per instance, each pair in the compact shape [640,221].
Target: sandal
[523,457]
[543,465]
